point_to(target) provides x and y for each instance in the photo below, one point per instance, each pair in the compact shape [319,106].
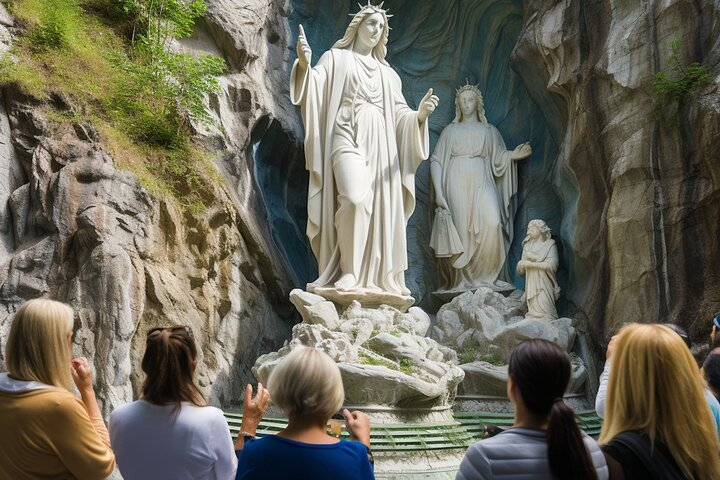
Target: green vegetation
[406,366]
[108,60]
[468,354]
[492,359]
[680,80]
[366,359]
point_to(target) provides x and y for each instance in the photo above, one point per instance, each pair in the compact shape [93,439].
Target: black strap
[658,462]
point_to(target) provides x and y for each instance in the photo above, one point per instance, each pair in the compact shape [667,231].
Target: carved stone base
[504,288]
[366,298]
[382,353]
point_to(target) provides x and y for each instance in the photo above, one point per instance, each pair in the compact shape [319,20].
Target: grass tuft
[139,101]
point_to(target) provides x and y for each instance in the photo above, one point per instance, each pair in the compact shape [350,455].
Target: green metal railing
[467,428]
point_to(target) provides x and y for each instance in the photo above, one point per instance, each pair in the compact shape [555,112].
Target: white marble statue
[538,264]
[363,145]
[475,179]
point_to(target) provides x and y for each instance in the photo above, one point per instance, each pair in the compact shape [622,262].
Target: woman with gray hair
[308,387]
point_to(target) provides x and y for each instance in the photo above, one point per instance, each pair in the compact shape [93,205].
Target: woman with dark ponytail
[171,433]
[545,442]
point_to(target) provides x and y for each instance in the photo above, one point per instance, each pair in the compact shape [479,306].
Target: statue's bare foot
[346,282]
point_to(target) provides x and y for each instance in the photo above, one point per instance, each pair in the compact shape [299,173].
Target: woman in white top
[170,433]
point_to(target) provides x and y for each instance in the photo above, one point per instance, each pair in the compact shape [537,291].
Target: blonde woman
[657,422]
[47,432]
[308,387]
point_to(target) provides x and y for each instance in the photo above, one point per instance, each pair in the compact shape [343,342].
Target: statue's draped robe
[541,286]
[479,182]
[375,130]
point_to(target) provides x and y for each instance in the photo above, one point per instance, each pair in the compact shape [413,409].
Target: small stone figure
[538,264]
[475,179]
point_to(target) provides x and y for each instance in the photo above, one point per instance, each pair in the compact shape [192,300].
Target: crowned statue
[363,145]
[475,181]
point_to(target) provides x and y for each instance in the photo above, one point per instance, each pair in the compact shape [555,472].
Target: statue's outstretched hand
[522,151]
[304,52]
[427,105]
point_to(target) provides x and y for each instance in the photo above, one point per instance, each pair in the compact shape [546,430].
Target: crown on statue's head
[373,8]
[468,87]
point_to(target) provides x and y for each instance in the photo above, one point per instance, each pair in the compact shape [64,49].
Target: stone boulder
[483,327]
[382,358]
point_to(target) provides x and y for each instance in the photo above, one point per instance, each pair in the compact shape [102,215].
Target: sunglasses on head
[154,331]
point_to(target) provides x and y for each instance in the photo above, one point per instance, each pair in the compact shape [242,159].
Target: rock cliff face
[76,228]
[642,207]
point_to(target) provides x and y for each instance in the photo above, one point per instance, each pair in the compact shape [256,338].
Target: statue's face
[370,30]
[534,232]
[468,103]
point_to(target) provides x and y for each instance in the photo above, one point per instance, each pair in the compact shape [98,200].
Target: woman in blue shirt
[308,387]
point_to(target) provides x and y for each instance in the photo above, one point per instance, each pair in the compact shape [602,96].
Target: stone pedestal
[404,381]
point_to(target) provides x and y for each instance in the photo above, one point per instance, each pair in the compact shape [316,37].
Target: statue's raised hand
[427,105]
[523,150]
[304,52]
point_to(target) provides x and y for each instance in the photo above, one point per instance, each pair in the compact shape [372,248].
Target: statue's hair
[540,225]
[656,388]
[479,109]
[348,40]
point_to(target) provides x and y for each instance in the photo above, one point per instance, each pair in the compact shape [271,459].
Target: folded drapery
[444,238]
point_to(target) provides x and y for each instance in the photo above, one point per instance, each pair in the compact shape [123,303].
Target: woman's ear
[510,389]
[194,365]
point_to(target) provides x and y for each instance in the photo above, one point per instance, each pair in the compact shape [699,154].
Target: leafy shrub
[110,59]
[680,80]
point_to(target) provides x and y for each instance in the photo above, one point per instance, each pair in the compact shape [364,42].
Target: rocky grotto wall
[645,235]
[627,185]
[630,195]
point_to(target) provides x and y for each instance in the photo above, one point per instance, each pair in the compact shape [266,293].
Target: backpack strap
[658,461]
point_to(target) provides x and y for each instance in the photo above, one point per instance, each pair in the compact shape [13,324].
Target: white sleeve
[602,391]
[222,447]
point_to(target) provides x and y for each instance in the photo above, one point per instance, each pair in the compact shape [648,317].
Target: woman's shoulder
[275,441]
[56,398]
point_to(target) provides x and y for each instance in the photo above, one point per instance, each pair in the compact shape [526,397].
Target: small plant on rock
[675,84]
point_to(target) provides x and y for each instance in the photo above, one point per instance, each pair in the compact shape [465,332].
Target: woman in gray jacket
[545,442]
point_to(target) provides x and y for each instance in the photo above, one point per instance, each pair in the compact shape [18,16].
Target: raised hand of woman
[254,408]
[358,424]
[82,375]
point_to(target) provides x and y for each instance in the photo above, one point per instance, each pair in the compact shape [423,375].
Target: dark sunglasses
[154,331]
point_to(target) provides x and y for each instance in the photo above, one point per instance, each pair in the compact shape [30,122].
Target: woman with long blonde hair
[657,422]
[48,432]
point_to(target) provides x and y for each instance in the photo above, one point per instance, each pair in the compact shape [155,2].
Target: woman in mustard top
[48,432]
